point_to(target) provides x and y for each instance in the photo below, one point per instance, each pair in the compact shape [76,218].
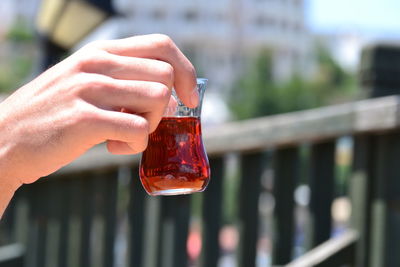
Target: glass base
[174,192]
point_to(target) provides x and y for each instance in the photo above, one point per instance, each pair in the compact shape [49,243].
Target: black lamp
[63,23]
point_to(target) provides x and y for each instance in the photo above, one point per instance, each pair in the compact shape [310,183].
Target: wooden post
[212,208]
[40,211]
[322,182]
[109,191]
[379,69]
[104,217]
[151,233]
[251,171]
[86,219]
[63,200]
[175,213]
[379,75]
[360,194]
[286,175]
[136,219]
[385,216]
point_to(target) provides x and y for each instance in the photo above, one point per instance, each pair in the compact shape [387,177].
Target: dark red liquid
[175,161]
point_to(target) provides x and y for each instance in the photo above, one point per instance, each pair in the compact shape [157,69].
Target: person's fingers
[132,68]
[147,99]
[119,148]
[160,47]
[121,127]
[123,148]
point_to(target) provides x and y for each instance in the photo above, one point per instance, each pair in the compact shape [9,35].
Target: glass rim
[201,81]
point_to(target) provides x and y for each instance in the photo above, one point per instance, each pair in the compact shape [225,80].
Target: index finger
[161,47]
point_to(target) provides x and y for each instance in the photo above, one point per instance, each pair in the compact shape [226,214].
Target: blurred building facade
[219,36]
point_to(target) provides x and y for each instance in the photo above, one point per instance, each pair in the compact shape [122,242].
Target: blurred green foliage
[256,93]
[20,32]
[14,74]
[17,56]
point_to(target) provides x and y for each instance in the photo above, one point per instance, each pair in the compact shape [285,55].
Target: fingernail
[194,98]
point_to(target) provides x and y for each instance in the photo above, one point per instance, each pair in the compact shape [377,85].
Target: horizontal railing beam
[12,255]
[314,125]
[329,253]
[373,115]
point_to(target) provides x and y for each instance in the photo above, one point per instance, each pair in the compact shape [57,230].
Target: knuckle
[140,139]
[81,82]
[166,72]
[83,61]
[87,115]
[97,82]
[83,115]
[163,41]
[89,82]
[134,131]
[88,60]
[161,93]
[141,146]
[141,126]
[96,44]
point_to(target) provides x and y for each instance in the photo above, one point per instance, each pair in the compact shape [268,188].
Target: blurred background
[262,57]
[289,54]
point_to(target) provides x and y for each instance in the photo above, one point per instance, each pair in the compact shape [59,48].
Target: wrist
[7,190]
[8,182]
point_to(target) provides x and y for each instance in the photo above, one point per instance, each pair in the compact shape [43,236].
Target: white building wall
[218,33]
[215,34]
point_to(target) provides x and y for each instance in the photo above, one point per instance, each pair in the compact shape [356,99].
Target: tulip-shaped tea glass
[175,161]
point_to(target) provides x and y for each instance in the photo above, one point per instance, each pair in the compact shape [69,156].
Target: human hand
[114,91]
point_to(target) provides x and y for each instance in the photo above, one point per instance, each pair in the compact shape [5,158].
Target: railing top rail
[372,115]
[314,125]
[11,253]
[326,250]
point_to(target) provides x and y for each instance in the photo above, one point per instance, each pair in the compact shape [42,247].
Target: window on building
[190,15]
[219,16]
[298,3]
[297,27]
[158,14]
[263,20]
[284,24]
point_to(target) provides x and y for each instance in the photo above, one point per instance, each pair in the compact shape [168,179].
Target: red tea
[175,161]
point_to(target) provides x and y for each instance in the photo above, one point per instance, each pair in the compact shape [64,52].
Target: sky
[374,17]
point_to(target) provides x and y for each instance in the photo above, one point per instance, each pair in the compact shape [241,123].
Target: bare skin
[109,91]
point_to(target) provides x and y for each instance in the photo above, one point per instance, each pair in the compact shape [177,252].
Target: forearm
[6,193]
[8,181]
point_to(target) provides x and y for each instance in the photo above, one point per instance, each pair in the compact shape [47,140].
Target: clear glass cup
[175,161]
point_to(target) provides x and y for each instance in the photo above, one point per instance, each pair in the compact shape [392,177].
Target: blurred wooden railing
[94,212]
